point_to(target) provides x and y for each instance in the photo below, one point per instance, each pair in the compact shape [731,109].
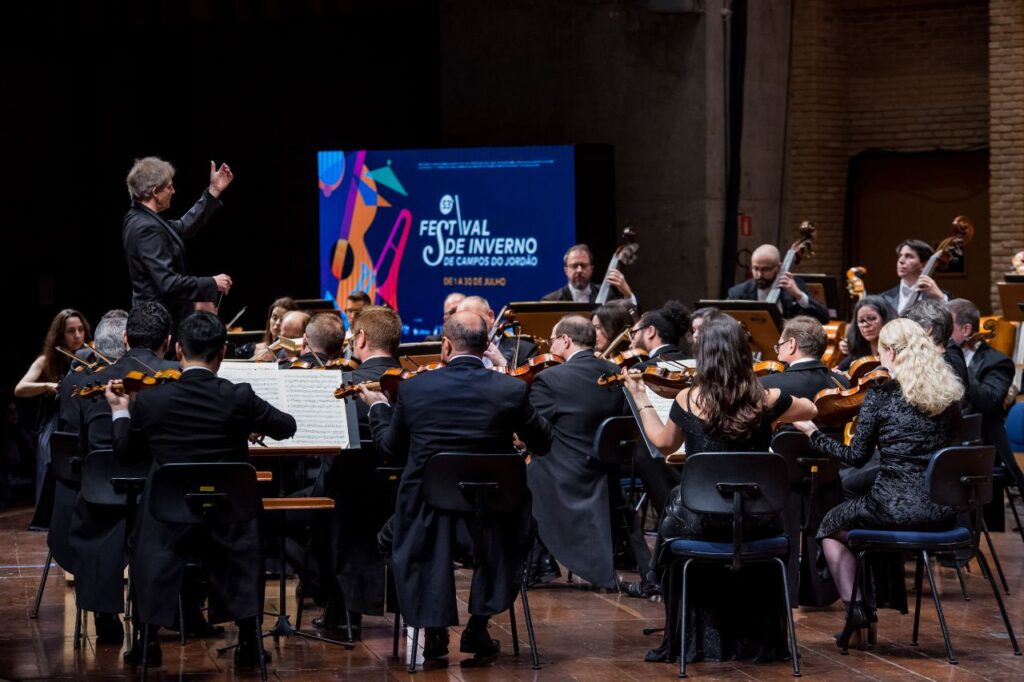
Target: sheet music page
[663,405]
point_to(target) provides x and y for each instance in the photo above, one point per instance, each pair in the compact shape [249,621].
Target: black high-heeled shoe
[856,619]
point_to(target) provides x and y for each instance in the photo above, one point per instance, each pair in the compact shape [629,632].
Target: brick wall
[893,74]
[1006,133]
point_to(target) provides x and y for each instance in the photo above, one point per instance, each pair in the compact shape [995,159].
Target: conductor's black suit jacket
[155,251]
[463,407]
[199,418]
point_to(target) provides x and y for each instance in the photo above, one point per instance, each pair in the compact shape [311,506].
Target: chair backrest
[616,441]
[204,493]
[710,478]
[968,430]
[65,458]
[454,481]
[795,448]
[105,480]
[961,476]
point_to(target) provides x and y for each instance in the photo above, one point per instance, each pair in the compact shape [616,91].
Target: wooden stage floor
[582,635]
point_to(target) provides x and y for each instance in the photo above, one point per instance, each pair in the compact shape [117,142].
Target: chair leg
[1002,610]
[528,617]
[938,607]
[260,650]
[398,629]
[412,650]
[298,606]
[918,577]
[42,585]
[145,650]
[794,652]
[960,577]
[1013,509]
[78,630]
[181,618]
[512,626]
[128,598]
[995,557]
[682,618]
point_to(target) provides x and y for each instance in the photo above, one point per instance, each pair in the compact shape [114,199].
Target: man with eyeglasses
[800,346]
[794,299]
[579,271]
[660,332]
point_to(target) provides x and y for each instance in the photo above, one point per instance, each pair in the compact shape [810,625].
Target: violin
[80,365]
[132,382]
[388,383]
[343,363]
[801,247]
[629,358]
[529,370]
[624,255]
[766,367]
[862,366]
[634,315]
[837,406]
[669,380]
[950,250]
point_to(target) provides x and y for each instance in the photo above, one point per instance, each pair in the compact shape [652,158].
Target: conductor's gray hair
[148,175]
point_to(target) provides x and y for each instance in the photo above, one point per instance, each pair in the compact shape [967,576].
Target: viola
[624,255]
[801,247]
[388,383]
[634,315]
[837,406]
[534,366]
[347,364]
[860,367]
[132,382]
[766,367]
[950,250]
[659,377]
[630,358]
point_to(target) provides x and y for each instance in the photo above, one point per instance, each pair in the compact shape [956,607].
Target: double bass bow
[801,247]
[950,250]
[624,255]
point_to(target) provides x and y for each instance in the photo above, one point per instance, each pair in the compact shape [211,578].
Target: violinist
[609,321]
[155,247]
[911,257]
[275,315]
[509,349]
[462,407]
[869,316]
[800,347]
[138,343]
[354,303]
[991,374]
[451,304]
[86,371]
[579,271]
[573,494]
[322,341]
[661,332]
[344,540]
[293,326]
[934,317]
[199,418]
[697,319]
[795,299]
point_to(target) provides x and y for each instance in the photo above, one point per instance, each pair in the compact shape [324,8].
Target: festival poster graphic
[409,227]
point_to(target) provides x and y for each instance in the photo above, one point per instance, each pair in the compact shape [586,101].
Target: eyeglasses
[635,330]
[578,266]
[779,345]
[552,340]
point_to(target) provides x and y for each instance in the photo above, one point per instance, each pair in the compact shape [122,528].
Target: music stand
[763,321]
[537,318]
[1011,296]
[414,355]
[823,288]
[316,305]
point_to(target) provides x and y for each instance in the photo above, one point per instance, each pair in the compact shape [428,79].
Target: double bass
[950,250]
[800,248]
[624,255]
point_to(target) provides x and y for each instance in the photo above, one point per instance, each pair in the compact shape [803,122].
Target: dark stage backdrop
[90,87]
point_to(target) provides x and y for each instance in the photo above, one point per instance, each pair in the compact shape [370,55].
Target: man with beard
[794,300]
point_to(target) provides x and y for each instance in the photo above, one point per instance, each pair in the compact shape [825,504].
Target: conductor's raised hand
[220,178]
[223,283]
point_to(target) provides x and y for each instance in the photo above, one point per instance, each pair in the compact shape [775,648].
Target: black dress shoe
[479,642]
[543,572]
[435,644]
[108,629]
[659,655]
[641,589]
[154,658]
[247,654]
[330,619]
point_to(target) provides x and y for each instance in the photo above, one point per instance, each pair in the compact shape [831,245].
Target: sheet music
[307,395]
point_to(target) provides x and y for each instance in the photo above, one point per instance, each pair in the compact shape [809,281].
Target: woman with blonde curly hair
[907,419]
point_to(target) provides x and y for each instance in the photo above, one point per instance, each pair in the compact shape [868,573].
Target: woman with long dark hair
[275,313]
[726,410]
[869,316]
[610,320]
[71,331]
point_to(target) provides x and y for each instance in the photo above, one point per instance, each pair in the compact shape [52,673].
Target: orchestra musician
[801,345]
[322,340]
[727,409]
[293,326]
[869,316]
[934,317]
[451,304]
[355,302]
[573,494]
[344,540]
[462,407]
[661,333]
[137,343]
[275,314]
[503,352]
[911,257]
[155,248]
[609,321]
[198,418]
[579,271]
[907,419]
[697,319]
[795,299]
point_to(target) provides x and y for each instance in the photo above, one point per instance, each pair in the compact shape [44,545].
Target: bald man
[451,304]
[794,299]
[507,350]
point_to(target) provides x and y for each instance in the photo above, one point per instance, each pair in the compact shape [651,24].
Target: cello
[624,255]
[801,247]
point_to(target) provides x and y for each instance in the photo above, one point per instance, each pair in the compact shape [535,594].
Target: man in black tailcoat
[578,264]
[660,333]
[801,345]
[463,407]
[199,418]
[98,531]
[155,248]
[344,540]
[794,298]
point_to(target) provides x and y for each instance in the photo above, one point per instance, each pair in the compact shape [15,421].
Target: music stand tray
[826,284]
[1011,298]
[762,320]
[538,317]
[414,355]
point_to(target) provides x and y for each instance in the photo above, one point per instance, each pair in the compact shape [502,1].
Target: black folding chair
[65,464]
[207,494]
[736,484]
[106,482]
[479,486]
[959,477]
[617,443]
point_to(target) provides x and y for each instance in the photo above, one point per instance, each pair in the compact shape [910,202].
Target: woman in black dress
[907,419]
[728,616]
